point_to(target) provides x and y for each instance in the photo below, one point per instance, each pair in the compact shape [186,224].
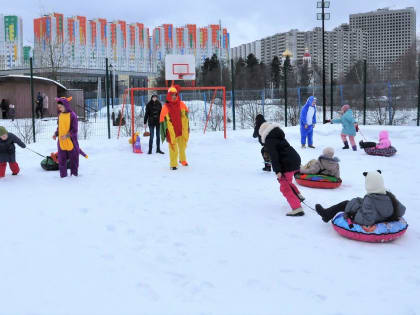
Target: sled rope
[36,152]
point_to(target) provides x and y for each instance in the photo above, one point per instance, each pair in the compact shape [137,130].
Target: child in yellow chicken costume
[174,127]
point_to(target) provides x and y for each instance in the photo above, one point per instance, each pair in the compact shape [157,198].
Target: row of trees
[250,73]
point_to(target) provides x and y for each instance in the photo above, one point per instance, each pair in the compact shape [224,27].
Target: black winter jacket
[7,148]
[152,114]
[284,157]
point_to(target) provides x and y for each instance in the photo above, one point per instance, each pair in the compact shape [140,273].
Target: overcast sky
[246,20]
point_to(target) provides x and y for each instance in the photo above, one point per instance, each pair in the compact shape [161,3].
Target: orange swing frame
[203,88]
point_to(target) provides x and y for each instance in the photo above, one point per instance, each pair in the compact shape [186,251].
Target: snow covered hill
[131,237]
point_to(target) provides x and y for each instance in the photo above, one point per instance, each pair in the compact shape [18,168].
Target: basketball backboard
[179,67]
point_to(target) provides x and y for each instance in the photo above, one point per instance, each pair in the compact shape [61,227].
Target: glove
[326,121]
[357,127]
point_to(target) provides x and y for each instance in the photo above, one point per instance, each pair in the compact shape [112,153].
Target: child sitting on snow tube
[326,164]
[383,148]
[378,205]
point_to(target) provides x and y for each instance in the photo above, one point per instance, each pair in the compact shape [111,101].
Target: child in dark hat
[8,151]
[259,120]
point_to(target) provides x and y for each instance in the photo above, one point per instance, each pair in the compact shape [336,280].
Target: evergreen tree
[275,71]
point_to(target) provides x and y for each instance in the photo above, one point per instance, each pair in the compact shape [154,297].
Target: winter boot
[174,168]
[354,148]
[184,163]
[303,146]
[329,213]
[267,167]
[159,151]
[311,146]
[296,212]
[346,145]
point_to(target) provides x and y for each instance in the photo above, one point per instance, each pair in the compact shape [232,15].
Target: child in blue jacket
[307,122]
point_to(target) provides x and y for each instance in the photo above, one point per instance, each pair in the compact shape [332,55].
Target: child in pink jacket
[384,142]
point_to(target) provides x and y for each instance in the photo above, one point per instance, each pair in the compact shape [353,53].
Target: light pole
[112,78]
[323,16]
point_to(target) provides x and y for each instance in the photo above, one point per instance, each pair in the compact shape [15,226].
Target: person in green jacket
[349,127]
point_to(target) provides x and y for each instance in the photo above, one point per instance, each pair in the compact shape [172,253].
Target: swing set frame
[130,91]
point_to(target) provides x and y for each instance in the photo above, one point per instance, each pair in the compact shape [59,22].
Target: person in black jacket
[259,120]
[4,108]
[285,162]
[152,115]
[7,151]
[39,106]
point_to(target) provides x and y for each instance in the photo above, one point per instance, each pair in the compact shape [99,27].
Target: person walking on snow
[349,127]
[307,122]
[4,108]
[7,151]
[39,106]
[259,120]
[174,127]
[285,162]
[68,146]
[152,115]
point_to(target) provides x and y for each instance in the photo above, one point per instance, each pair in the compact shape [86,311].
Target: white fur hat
[329,152]
[374,182]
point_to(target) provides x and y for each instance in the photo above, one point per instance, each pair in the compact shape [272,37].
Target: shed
[16,89]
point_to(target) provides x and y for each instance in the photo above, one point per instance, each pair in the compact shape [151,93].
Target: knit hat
[374,183]
[328,152]
[345,108]
[3,131]
[259,120]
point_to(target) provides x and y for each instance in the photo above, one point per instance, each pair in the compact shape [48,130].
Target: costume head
[259,120]
[310,101]
[65,102]
[374,182]
[328,152]
[173,90]
[345,108]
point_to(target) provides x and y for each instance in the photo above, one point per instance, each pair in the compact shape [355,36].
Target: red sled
[322,184]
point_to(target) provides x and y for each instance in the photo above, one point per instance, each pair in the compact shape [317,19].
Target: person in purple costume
[67,144]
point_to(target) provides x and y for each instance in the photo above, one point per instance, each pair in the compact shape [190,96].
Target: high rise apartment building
[87,43]
[391,33]
[11,42]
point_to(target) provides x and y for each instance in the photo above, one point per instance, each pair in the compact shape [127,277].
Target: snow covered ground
[131,237]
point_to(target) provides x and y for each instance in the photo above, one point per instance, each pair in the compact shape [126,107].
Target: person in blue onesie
[307,122]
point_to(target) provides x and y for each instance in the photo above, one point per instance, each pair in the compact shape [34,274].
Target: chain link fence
[393,103]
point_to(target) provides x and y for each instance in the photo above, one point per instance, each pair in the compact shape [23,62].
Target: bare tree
[52,56]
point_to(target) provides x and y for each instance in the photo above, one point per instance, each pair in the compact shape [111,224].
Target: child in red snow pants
[289,190]
[13,166]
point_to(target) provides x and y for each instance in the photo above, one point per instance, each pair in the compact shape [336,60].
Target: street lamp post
[323,16]
[111,70]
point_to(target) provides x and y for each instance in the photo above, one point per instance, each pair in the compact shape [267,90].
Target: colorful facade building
[11,42]
[202,42]
[77,42]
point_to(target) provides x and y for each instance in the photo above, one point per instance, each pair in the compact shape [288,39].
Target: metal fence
[395,103]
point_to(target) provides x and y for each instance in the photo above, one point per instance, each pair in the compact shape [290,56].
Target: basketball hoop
[180,67]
